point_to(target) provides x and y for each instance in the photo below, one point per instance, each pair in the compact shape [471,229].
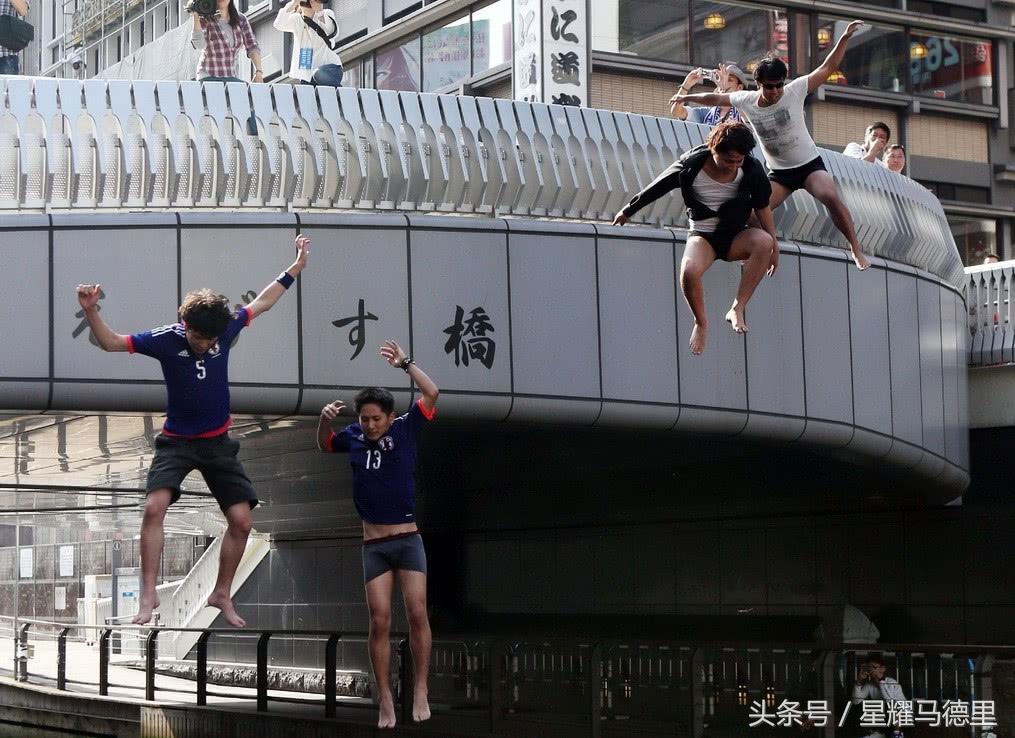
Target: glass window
[951,68]
[491,36]
[876,57]
[945,10]
[397,68]
[975,238]
[397,8]
[746,35]
[353,76]
[447,55]
[655,29]
[351,16]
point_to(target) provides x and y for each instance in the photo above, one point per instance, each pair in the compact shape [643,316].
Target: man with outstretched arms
[382,454]
[194,355]
[722,185]
[776,113]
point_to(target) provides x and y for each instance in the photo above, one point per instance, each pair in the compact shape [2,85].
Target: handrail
[602,674]
[144,144]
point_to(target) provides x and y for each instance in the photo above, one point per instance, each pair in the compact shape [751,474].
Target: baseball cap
[737,72]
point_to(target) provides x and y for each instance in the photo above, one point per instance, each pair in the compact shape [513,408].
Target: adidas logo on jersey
[185,354]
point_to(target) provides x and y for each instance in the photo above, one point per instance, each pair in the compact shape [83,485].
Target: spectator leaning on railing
[9,57]
[894,158]
[315,31]
[875,139]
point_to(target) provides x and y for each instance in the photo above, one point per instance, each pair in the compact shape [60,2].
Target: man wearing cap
[728,78]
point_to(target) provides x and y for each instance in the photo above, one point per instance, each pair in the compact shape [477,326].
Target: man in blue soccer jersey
[194,354]
[382,453]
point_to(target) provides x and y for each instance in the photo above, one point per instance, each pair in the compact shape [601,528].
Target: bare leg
[754,248]
[379,603]
[698,256]
[779,194]
[822,187]
[413,584]
[152,539]
[234,543]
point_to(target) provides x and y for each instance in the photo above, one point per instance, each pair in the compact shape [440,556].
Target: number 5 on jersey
[373,459]
[201,372]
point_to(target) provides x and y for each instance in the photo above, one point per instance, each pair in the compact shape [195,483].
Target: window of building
[951,68]
[947,10]
[975,238]
[876,58]
[960,193]
[741,33]
[491,36]
[397,68]
[394,9]
[447,54]
[353,76]
[352,19]
[649,28]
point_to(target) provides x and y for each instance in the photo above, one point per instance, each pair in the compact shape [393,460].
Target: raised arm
[834,59]
[270,294]
[392,353]
[88,297]
[677,109]
[328,414]
[708,99]
[288,19]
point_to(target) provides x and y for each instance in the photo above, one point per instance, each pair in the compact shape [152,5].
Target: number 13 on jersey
[373,459]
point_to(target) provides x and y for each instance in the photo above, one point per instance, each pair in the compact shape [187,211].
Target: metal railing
[987,290]
[587,684]
[170,144]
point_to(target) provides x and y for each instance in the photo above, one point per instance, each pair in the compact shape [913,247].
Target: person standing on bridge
[194,354]
[382,454]
[776,113]
[721,185]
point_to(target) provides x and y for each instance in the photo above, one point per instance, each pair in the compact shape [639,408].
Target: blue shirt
[384,471]
[197,385]
[711,116]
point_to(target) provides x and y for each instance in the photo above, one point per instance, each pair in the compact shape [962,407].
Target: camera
[207,9]
[76,60]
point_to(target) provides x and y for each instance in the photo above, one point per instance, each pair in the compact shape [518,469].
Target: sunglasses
[773,85]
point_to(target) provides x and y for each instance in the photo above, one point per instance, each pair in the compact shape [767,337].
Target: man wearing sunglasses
[776,113]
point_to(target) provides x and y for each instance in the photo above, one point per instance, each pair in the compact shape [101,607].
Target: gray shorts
[215,458]
[403,551]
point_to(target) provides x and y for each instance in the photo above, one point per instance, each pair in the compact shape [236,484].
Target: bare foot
[420,707]
[225,604]
[146,606]
[735,317]
[697,341]
[386,715]
[861,261]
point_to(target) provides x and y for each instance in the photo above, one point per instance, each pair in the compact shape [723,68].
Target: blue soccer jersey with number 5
[384,471]
[197,385]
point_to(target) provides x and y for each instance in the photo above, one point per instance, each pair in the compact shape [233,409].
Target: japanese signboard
[551,55]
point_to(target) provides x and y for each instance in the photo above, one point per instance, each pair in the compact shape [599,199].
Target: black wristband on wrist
[405,363]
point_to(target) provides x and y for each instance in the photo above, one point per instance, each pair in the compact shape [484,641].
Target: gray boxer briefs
[403,551]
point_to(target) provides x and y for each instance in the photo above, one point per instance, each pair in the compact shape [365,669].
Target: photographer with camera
[873,684]
[727,78]
[219,32]
[314,30]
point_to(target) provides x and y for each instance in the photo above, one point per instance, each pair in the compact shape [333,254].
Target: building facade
[939,73]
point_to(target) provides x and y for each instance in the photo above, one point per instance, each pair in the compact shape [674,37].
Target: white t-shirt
[854,150]
[713,194]
[781,128]
[310,53]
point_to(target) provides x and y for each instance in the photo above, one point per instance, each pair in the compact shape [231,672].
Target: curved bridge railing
[68,144]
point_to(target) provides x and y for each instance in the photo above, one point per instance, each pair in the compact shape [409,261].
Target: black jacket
[754,192]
